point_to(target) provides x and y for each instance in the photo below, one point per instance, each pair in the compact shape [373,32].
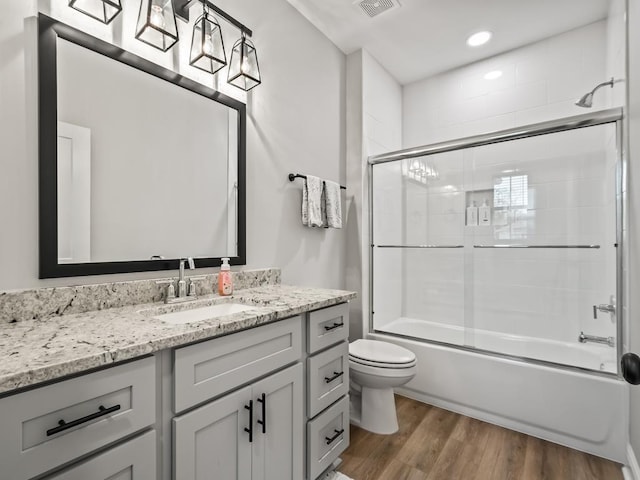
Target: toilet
[375,368]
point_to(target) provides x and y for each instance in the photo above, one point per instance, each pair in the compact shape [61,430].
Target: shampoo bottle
[225,282]
[484,213]
[472,214]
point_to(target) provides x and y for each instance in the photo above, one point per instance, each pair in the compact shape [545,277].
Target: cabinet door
[133,460]
[279,435]
[211,441]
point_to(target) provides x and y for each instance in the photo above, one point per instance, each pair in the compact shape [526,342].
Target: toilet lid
[375,351]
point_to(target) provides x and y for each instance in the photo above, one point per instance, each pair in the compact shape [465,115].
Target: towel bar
[293,176]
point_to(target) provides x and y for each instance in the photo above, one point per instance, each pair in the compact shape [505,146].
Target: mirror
[139,166]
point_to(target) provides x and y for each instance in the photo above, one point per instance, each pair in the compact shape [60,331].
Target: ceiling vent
[375,7]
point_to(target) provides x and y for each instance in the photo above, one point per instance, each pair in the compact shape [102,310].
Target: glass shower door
[509,248]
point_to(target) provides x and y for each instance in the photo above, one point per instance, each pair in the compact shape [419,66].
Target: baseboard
[632,471]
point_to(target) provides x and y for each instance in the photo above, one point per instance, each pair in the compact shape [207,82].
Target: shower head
[586,101]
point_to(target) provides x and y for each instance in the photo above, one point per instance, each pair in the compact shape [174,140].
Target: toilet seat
[374,353]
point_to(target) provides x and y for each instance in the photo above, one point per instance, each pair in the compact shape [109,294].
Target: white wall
[374,126]
[295,124]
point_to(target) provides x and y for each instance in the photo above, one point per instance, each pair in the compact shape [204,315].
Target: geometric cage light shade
[157,24]
[102,10]
[207,47]
[244,71]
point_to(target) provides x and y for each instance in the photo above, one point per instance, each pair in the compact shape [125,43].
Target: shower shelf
[536,246]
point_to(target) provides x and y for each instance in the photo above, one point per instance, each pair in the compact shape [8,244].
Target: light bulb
[157,16]
[207,45]
[245,67]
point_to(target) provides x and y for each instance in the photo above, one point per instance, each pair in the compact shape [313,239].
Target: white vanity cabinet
[254,433]
[46,428]
[327,406]
[132,460]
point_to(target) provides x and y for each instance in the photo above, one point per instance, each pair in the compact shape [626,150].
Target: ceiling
[424,37]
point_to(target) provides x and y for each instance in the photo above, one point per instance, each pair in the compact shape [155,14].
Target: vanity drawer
[209,369]
[98,408]
[327,437]
[328,378]
[132,460]
[328,326]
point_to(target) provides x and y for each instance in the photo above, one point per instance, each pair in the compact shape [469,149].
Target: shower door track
[601,117]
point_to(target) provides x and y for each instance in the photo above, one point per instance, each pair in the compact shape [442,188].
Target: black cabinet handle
[334,326]
[62,425]
[249,429]
[335,376]
[330,440]
[263,422]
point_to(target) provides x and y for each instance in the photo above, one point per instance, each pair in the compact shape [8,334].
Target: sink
[203,313]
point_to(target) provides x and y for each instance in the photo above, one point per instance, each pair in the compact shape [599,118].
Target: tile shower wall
[540,81]
[570,190]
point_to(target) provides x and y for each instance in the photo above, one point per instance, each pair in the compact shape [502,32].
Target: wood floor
[435,444]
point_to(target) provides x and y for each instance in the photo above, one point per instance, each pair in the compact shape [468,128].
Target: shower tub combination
[497,260]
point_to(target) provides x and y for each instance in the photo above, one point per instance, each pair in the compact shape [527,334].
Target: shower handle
[603,307]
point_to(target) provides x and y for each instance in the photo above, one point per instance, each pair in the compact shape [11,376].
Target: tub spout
[582,338]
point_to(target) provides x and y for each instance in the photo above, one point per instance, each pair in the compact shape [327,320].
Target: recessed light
[479,38]
[493,75]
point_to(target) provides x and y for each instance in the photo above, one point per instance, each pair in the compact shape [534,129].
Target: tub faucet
[582,338]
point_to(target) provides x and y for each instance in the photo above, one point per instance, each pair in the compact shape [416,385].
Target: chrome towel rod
[293,176]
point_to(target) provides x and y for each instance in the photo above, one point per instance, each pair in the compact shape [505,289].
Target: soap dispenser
[484,213]
[225,282]
[472,214]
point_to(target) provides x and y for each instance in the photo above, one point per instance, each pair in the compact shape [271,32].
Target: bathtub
[591,356]
[582,410]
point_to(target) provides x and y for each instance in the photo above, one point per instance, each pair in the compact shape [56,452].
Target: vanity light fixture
[244,72]
[207,47]
[479,38]
[157,24]
[102,10]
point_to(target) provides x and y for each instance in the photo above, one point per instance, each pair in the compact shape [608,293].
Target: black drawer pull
[249,429]
[263,422]
[333,439]
[335,376]
[62,425]
[334,326]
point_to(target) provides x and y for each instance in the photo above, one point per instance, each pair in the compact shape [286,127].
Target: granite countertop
[34,351]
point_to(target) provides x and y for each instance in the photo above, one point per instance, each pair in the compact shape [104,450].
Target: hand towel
[333,204]
[312,202]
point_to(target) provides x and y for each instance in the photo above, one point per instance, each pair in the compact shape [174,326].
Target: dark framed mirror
[139,166]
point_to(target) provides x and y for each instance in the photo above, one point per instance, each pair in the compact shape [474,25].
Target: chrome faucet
[180,291]
[604,307]
[182,284]
[582,338]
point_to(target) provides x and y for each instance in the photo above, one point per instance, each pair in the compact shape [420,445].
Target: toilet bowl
[375,368]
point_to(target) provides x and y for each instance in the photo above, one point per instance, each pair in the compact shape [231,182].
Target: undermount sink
[203,313]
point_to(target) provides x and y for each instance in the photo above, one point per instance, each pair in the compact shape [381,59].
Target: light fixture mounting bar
[182,12]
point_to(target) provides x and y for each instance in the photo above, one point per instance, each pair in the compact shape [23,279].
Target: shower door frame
[601,117]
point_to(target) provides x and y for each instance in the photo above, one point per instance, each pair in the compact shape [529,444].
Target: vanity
[120,393]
